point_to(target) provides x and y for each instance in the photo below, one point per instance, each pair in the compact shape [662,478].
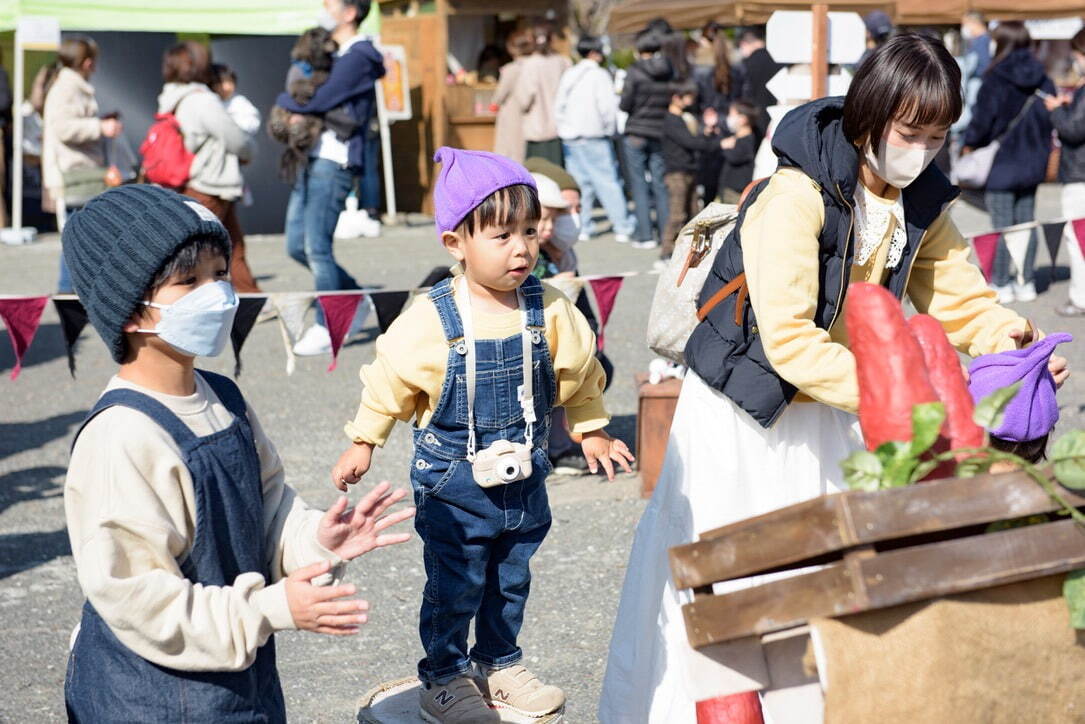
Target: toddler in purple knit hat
[1032,413]
[479,364]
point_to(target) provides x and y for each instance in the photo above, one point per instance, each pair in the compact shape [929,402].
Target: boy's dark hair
[747,110]
[361,8]
[659,26]
[220,73]
[682,88]
[909,78]
[589,44]
[501,208]
[186,257]
[1033,451]
[1078,41]
[648,41]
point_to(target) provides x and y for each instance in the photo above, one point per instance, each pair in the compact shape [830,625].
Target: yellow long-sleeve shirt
[405,380]
[780,255]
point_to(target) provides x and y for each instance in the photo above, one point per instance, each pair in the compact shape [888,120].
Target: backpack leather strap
[738,284]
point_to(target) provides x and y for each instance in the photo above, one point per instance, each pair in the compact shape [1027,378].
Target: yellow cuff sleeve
[369,426]
[589,417]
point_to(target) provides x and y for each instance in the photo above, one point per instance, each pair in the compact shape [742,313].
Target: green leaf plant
[896,464]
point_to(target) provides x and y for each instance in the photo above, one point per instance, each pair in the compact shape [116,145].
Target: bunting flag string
[73,318]
[248,310]
[291,308]
[389,305]
[339,313]
[985,247]
[606,291]
[1053,239]
[21,316]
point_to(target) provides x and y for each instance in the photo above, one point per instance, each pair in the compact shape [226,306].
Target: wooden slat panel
[770,607]
[968,564]
[837,522]
[784,536]
[888,579]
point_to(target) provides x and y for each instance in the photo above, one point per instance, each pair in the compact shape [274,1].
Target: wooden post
[819,62]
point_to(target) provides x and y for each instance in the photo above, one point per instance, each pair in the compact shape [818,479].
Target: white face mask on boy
[199,323]
[899,165]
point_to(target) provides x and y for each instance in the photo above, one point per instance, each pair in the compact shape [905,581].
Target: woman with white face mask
[767,410]
[1068,117]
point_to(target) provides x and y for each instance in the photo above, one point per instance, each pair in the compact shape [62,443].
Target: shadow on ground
[15,437]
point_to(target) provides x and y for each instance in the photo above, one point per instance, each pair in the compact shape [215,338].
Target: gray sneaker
[457,702]
[516,688]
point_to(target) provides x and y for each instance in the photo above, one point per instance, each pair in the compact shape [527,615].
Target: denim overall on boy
[478,541]
[106,681]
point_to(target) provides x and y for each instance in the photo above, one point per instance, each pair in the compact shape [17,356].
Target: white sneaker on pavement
[315,341]
[1024,292]
[621,238]
[650,244]
[1005,294]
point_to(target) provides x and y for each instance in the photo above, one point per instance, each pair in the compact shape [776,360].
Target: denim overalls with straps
[478,541]
[106,681]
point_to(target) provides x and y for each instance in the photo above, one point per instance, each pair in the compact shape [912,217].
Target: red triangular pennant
[339,310]
[1079,232]
[22,317]
[606,290]
[985,247]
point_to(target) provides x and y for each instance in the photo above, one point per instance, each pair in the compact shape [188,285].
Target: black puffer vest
[729,356]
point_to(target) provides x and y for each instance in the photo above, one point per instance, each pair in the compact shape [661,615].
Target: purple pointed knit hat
[467,178]
[1033,411]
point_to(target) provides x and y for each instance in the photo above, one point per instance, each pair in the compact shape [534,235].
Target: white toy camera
[501,463]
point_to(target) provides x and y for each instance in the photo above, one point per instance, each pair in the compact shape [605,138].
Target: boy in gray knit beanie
[190,547]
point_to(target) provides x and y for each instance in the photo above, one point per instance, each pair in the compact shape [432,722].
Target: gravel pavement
[578,572]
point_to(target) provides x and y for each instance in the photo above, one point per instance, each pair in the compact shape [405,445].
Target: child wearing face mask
[189,545]
[559,231]
[739,150]
[479,364]
[682,142]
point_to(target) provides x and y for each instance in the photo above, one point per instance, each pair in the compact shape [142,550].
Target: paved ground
[578,571]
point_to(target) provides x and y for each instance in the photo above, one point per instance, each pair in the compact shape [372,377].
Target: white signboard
[38,33]
[790,37]
[1053,28]
[788,85]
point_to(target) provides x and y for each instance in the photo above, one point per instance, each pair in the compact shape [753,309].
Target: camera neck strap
[525,393]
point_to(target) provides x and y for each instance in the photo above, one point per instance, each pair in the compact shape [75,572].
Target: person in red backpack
[218,146]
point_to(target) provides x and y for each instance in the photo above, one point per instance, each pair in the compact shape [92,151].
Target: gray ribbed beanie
[117,242]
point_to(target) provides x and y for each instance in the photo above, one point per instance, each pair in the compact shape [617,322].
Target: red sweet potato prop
[947,378]
[744,708]
[889,362]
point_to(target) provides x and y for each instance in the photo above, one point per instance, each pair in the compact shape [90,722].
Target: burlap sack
[1003,654]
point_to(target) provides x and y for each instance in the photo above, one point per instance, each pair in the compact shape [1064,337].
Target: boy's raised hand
[352,465]
[323,609]
[350,533]
[601,448]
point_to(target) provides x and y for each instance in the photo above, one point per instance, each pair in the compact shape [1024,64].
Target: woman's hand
[1059,367]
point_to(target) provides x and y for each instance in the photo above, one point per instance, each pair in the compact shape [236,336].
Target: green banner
[217,17]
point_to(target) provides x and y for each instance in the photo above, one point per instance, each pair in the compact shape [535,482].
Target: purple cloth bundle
[1033,411]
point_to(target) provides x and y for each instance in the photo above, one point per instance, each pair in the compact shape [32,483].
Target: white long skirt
[720,467]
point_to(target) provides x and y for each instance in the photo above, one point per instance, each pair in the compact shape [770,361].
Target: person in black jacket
[645,98]
[739,150]
[718,84]
[682,142]
[758,68]
[1015,78]
[1068,117]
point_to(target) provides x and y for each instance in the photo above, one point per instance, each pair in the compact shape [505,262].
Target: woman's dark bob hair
[910,78]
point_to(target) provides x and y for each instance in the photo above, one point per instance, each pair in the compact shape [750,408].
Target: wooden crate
[876,549]
[655,410]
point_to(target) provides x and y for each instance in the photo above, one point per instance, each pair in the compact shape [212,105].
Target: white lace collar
[872,217]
